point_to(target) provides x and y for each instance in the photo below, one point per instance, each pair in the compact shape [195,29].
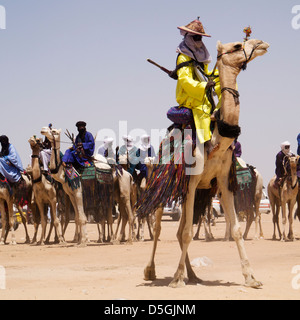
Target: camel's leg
[101,231]
[123,221]
[258,225]
[24,222]
[196,237]
[291,220]
[3,221]
[250,218]
[284,221]
[190,272]
[149,272]
[185,236]
[150,226]
[43,221]
[228,202]
[66,214]
[80,218]
[55,221]
[11,222]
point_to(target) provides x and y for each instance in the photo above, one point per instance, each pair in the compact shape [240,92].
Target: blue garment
[72,155]
[298,139]
[11,165]
[142,156]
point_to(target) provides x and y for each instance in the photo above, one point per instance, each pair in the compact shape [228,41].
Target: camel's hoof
[13,243]
[177,283]
[82,245]
[149,274]
[253,283]
[2,243]
[195,280]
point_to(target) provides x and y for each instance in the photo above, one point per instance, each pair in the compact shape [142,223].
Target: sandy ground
[113,272]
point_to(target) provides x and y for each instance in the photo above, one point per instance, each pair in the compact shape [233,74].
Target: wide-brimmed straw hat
[195,27]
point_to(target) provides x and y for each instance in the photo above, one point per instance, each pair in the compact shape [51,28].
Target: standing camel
[44,192]
[232,57]
[58,173]
[252,213]
[283,197]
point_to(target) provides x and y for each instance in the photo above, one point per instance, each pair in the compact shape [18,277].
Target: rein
[244,64]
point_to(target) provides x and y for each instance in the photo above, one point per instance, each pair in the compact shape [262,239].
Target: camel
[123,184]
[44,192]
[10,196]
[286,196]
[126,197]
[149,161]
[232,57]
[252,214]
[58,173]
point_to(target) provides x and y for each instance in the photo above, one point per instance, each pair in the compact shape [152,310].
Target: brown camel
[283,197]
[58,173]
[10,195]
[252,214]
[232,57]
[44,192]
[149,161]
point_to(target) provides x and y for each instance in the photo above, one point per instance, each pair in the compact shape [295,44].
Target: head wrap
[194,49]
[145,142]
[284,148]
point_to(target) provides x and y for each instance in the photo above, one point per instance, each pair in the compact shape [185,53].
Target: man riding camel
[193,80]
[10,161]
[83,149]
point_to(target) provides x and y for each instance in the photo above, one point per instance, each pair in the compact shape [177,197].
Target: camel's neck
[55,162]
[36,171]
[294,175]
[230,109]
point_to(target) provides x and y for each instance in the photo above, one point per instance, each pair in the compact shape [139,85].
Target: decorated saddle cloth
[246,181]
[168,181]
[97,188]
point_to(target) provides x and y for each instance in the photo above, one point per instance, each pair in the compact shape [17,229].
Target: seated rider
[83,149]
[281,159]
[130,151]
[145,150]
[106,149]
[193,81]
[45,155]
[10,161]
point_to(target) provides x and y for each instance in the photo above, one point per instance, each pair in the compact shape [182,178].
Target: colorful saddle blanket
[97,188]
[246,180]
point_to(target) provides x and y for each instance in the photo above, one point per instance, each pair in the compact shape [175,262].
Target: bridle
[234,92]
[245,63]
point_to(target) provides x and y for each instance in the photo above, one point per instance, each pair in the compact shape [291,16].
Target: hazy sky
[67,60]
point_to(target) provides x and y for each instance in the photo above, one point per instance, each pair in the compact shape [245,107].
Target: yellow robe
[190,93]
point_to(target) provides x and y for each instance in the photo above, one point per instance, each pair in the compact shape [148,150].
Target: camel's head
[149,162]
[294,162]
[238,54]
[35,142]
[51,134]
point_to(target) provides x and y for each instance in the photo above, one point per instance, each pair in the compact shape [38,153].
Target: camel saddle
[97,188]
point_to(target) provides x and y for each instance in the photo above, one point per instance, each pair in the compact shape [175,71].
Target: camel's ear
[219,46]
[59,131]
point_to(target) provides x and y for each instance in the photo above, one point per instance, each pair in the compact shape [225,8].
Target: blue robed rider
[10,161]
[83,148]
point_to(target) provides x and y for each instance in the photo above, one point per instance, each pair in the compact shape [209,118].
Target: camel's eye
[238,46]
